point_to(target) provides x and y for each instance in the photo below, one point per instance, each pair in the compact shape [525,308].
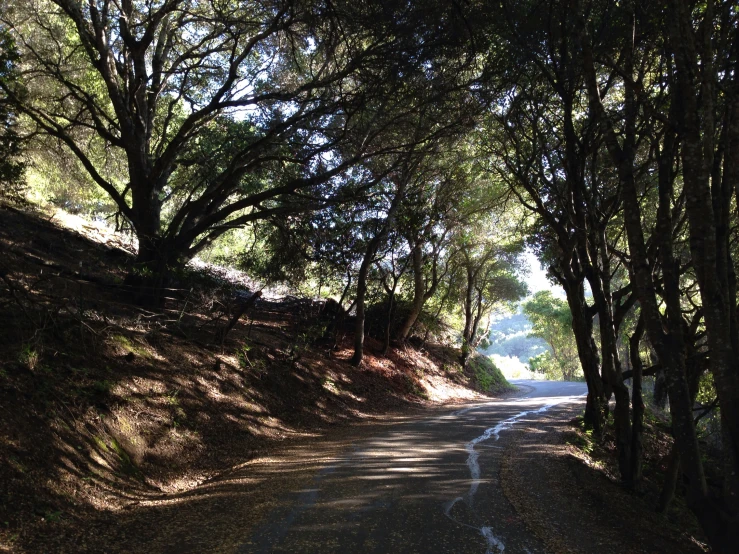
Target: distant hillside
[509,338]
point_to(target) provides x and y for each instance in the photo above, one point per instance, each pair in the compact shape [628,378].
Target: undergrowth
[487,375]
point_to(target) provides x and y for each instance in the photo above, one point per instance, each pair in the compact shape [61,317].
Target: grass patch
[583,439]
[130,347]
[487,375]
[29,356]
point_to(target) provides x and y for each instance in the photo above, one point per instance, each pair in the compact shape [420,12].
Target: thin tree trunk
[670,482]
[468,317]
[388,325]
[418,291]
[611,372]
[361,292]
[390,311]
[637,403]
[582,327]
[369,255]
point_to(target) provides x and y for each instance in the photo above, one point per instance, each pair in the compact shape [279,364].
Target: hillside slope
[509,337]
[105,405]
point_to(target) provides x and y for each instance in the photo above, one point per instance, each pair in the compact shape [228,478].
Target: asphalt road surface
[426,485]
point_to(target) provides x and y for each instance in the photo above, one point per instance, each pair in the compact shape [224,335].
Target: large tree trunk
[148,278]
[673,466]
[149,275]
[582,327]
[670,483]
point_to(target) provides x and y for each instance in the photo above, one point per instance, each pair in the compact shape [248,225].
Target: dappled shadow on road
[250,508]
[347,488]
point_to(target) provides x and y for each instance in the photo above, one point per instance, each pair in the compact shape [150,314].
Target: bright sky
[537,278]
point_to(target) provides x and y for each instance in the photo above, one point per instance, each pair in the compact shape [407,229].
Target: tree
[433,208]
[542,142]
[391,270]
[11,166]
[220,114]
[489,274]
[552,322]
[620,119]
[704,44]
[624,156]
[384,221]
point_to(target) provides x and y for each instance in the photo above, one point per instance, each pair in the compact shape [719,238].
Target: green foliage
[130,346]
[414,388]
[710,423]
[242,355]
[545,364]
[376,319]
[258,365]
[487,375]
[12,184]
[552,322]
[584,439]
[55,178]
[706,389]
[549,316]
[29,356]
[102,386]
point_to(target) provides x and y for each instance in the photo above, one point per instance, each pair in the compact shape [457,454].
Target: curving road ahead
[426,485]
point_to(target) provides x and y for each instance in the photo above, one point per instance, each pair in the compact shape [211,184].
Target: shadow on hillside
[105,404]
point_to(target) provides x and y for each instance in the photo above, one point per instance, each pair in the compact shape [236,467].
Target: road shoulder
[572,507]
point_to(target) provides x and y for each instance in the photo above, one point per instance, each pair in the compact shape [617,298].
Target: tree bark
[705,203]
[468,316]
[669,346]
[637,403]
[361,292]
[418,291]
[670,483]
[587,351]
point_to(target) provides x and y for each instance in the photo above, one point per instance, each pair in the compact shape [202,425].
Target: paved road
[427,485]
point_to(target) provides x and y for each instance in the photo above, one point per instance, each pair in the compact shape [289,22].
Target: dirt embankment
[104,406]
